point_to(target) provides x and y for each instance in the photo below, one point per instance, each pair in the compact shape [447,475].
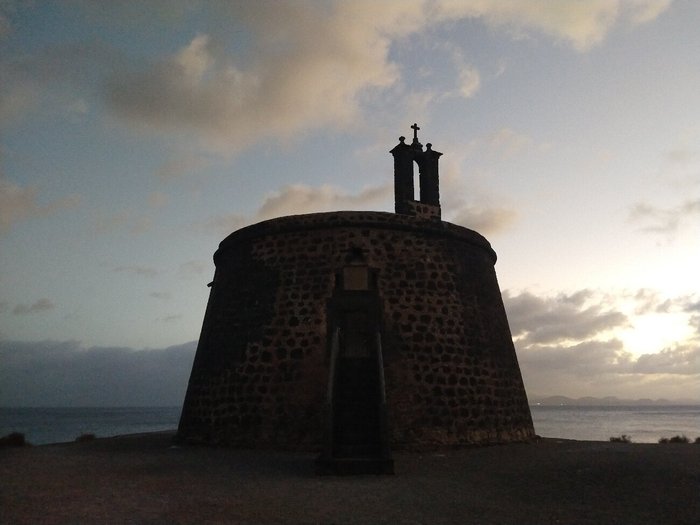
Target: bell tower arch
[405,158]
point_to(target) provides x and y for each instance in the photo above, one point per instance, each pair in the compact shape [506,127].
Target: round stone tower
[354,332]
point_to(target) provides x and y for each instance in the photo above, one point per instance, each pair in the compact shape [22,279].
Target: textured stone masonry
[260,374]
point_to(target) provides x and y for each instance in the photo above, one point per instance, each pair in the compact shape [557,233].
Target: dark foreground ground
[142,479]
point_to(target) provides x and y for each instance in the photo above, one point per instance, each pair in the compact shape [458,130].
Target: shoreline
[143,478]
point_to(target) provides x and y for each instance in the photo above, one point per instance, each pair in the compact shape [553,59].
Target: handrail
[380,365]
[335,347]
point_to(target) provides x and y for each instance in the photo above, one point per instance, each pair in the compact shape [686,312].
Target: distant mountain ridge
[607,401]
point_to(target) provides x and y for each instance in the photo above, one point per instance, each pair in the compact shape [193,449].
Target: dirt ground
[143,479]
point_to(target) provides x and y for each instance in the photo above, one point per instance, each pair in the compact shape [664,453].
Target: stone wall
[261,370]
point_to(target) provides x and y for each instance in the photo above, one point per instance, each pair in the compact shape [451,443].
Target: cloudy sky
[134,136]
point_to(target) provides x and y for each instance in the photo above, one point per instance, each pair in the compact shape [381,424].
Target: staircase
[356,423]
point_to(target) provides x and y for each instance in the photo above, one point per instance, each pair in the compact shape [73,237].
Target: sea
[643,424]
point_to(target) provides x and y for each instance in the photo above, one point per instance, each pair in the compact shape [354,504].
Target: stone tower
[355,332]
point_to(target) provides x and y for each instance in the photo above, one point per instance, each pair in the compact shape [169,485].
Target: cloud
[157,199]
[42,305]
[165,296]
[59,78]
[301,67]
[682,359]
[180,166]
[53,373]
[469,82]
[664,221]
[564,317]
[310,68]
[484,220]
[134,224]
[567,344]
[504,142]
[191,269]
[586,359]
[582,25]
[143,271]
[288,68]
[298,199]
[170,318]
[5,26]
[19,204]
[651,301]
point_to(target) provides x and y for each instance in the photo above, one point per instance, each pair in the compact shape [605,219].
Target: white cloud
[646,11]
[298,66]
[310,68]
[474,212]
[582,24]
[469,82]
[307,67]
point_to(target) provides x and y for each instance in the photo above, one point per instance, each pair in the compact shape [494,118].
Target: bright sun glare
[651,333]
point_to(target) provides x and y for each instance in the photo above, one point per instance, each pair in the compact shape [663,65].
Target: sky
[134,136]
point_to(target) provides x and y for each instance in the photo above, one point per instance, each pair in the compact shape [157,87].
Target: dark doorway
[356,419]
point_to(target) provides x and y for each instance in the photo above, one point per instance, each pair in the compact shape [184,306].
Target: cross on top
[415,129]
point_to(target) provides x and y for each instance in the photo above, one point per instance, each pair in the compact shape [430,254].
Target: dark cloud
[54,78]
[170,318]
[585,359]
[143,271]
[42,305]
[165,296]
[52,373]
[682,359]
[652,302]
[665,221]
[564,345]
[565,317]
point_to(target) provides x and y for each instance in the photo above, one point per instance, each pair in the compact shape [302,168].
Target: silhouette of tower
[354,332]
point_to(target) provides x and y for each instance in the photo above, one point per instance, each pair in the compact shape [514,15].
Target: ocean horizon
[643,424]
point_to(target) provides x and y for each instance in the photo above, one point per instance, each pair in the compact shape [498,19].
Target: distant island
[607,401]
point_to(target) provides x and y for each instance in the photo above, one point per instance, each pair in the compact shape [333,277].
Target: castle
[353,333]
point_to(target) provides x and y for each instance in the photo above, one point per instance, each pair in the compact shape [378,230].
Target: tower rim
[356,219]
